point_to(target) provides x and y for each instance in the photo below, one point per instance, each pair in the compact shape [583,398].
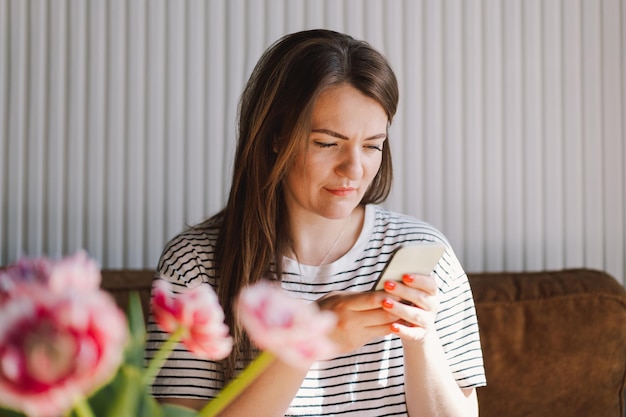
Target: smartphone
[416,259]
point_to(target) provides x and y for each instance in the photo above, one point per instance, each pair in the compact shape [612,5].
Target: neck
[324,242]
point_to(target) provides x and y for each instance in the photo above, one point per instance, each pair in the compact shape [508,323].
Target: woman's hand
[418,309]
[361,317]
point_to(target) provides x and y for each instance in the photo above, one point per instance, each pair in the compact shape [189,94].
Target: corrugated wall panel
[195,111]
[620,238]
[17,81]
[216,167]
[493,143]
[118,121]
[473,253]
[4,129]
[75,67]
[55,183]
[532,150]
[453,144]
[552,131]
[413,155]
[135,159]
[155,128]
[116,134]
[573,151]
[98,92]
[593,138]
[612,124]
[36,117]
[513,131]
[175,124]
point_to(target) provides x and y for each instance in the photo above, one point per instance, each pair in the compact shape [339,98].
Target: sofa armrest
[554,343]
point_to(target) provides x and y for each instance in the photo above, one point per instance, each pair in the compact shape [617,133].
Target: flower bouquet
[66,349]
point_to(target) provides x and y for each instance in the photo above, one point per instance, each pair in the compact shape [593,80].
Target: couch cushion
[554,343]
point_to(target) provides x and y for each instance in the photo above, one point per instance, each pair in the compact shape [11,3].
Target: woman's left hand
[417,308]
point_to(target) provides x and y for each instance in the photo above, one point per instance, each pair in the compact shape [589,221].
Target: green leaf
[137,328]
[170,410]
[149,407]
[5,412]
[122,396]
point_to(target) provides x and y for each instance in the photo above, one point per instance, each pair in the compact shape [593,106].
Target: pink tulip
[293,330]
[76,273]
[198,314]
[56,346]
[29,270]
[22,276]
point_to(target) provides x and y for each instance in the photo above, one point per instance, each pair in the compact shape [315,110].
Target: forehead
[345,106]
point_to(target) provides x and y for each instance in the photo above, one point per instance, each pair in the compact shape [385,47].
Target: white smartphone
[416,259]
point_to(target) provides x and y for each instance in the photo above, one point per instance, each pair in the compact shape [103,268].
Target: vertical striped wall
[117,121]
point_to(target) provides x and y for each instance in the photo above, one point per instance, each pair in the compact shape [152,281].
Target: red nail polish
[390,285]
[395,328]
[387,303]
[408,278]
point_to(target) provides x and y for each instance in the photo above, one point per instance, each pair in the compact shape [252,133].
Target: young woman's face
[342,155]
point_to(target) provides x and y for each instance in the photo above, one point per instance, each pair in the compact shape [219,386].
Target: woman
[312,161]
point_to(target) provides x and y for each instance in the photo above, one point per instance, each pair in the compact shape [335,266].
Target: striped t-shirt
[366,382]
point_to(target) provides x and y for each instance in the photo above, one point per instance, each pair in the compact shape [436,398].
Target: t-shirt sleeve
[183,375]
[457,325]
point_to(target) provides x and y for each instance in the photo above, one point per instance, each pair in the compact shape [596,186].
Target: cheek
[297,177]
[311,169]
[372,166]
[298,172]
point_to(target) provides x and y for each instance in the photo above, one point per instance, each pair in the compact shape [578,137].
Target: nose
[350,165]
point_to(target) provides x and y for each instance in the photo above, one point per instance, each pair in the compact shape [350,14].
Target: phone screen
[416,259]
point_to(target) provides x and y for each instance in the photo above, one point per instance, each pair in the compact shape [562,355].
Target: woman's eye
[378,148]
[324,144]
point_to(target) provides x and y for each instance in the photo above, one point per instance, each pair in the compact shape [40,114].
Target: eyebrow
[340,136]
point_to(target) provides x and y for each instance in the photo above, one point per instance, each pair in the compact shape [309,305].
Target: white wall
[117,121]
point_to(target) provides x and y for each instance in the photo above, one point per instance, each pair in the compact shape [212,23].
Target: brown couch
[554,342]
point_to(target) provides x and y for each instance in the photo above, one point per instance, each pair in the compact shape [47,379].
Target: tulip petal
[199,313]
[293,330]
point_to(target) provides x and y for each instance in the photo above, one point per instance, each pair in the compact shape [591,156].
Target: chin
[339,213]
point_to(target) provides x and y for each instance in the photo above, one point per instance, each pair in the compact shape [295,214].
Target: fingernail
[408,278]
[390,285]
[387,303]
[395,328]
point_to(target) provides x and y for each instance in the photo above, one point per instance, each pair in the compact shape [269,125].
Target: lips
[341,191]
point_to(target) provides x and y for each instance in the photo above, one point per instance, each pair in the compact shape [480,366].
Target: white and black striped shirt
[366,382]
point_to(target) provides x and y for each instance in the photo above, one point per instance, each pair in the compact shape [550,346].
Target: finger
[413,315]
[351,320]
[352,301]
[416,296]
[408,332]
[370,300]
[379,331]
[354,329]
[366,334]
[378,317]
[425,283]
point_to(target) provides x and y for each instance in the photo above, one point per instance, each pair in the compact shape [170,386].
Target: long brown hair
[274,119]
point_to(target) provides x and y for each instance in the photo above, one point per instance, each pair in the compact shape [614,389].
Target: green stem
[82,408]
[237,385]
[161,356]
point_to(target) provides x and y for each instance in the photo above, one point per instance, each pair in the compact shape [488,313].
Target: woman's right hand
[360,317]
